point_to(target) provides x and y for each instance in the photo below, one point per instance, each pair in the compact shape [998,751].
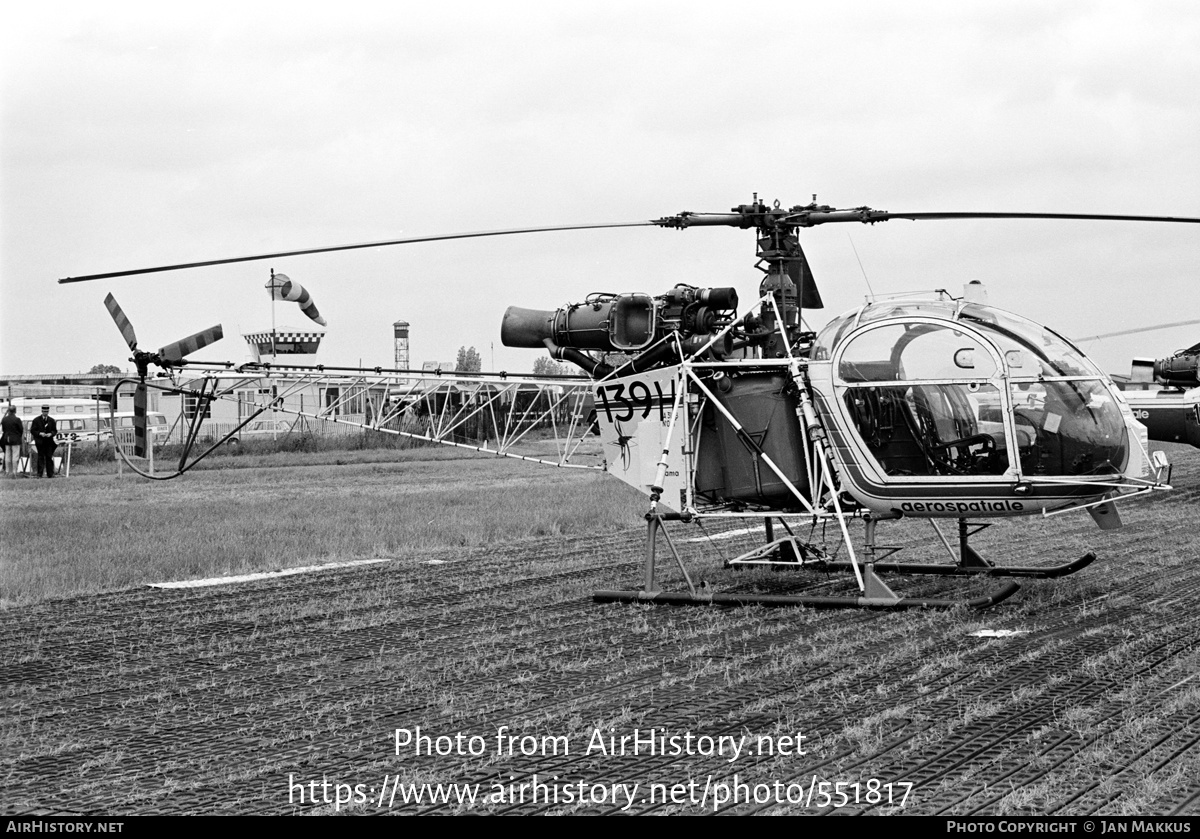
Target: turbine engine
[624,323]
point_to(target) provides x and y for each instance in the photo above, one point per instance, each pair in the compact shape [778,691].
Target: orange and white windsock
[281,288]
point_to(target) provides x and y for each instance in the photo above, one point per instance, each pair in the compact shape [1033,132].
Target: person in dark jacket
[43,428]
[11,432]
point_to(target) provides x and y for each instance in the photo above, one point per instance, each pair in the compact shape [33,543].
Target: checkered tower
[276,345]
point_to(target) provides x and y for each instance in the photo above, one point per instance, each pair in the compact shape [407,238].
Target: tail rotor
[169,356]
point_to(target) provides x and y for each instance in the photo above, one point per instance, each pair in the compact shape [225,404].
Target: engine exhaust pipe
[583,327]
[526,328]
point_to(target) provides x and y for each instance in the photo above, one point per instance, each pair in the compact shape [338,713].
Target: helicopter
[935,407]
[1163,393]
[1172,412]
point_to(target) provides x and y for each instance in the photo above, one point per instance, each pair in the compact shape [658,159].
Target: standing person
[12,430]
[43,428]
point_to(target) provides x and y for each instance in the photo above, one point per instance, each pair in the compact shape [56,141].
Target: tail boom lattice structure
[543,420]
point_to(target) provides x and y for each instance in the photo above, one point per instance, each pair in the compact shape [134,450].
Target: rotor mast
[787,275]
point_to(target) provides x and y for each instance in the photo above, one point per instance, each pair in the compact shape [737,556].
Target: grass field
[97,532]
[1083,699]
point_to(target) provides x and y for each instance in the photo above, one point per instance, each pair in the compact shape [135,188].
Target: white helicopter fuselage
[932,408]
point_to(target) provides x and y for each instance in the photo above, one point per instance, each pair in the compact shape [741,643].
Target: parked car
[261,430]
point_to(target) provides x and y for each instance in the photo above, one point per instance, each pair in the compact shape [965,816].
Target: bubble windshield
[949,416]
[1031,350]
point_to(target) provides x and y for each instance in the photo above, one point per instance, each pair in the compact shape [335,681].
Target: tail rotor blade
[122,322]
[139,421]
[182,349]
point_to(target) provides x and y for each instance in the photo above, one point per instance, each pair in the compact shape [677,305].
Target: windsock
[281,288]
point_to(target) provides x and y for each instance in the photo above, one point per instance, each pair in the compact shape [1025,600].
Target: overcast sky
[143,134]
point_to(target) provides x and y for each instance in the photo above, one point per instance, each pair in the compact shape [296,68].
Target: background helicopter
[937,407]
[1171,413]
[1164,393]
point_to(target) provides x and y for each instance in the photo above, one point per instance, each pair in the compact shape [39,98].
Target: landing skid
[790,553]
[896,603]
[875,593]
[965,570]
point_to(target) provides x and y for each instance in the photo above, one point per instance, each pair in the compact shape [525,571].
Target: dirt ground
[487,680]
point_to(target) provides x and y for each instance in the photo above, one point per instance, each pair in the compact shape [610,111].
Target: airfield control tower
[400,331]
[268,346]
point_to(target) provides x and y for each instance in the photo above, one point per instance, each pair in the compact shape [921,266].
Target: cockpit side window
[990,395]
[942,429]
[923,398]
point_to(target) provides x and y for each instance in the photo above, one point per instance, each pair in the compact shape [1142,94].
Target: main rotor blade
[379,244]
[1139,329]
[182,349]
[123,323]
[798,217]
[880,215]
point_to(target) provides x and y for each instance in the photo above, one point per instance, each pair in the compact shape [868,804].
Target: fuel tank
[728,466]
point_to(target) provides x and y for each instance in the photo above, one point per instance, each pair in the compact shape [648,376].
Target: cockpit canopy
[938,388]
